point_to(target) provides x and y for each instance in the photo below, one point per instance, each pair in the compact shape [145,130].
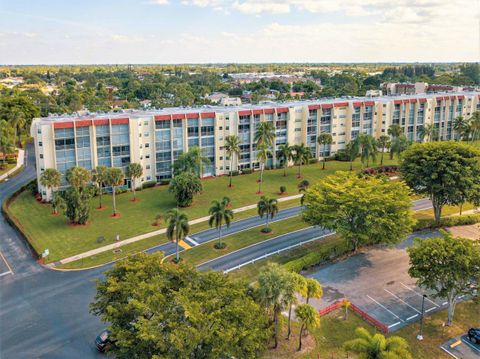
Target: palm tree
[272,281]
[310,319]
[219,213]
[301,154]
[193,161]
[177,228]
[285,154]
[115,178]
[324,139]
[395,130]
[296,284]
[475,125]
[6,135]
[134,171]
[232,148]
[351,150]
[99,176]
[368,147]
[226,200]
[18,121]
[267,207]
[399,144]
[78,177]
[428,130]
[314,289]
[262,155]
[383,143]
[51,179]
[377,346]
[264,134]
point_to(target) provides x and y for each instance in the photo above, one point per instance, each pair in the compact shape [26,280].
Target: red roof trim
[340,104]
[327,105]
[422,100]
[100,122]
[119,121]
[445,98]
[193,115]
[269,110]
[282,109]
[313,107]
[83,123]
[412,100]
[245,113]
[178,116]
[257,112]
[452,97]
[460,97]
[207,115]
[358,104]
[369,103]
[162,117]
[63,124]
[439,98]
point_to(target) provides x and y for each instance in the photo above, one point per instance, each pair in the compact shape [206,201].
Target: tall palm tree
[351,150]
[384,143]
[310,319]
[51,179]
[461,127]
[192,161]
[267,207]
[78,177]
[272,281]
[115,178]
[177,228]
[475,125]
[395,130]
[428,130]
[232,148]
[99,176]
[324,139]
[262,155]
[219,213]
[134,171]
[368,147]
[377,346]
[285,154]
[296,284]
[264,134]
[301,155]
[18,121]
[314,289]
[399,144]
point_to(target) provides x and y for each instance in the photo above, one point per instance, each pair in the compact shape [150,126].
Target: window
[147,167]
[147,145]
[41,155]
[39,143]
[146,134]
[147,156]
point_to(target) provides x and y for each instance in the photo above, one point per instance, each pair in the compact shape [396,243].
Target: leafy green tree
[314,289]
[17,121]
[445,171]
[58,203]
[296,283]
[325,139]
[232,148]
[99,177]
[384,143]
[363,210]
[351,150]
[450,267]
[219,213]
[77,203]
[474,121]
[461,127]
[163,310]
[263,153]
[368,148]
[6,138]
[264,134]
[134,172]
[309,318]
[285,154]
[184,186]
[301,155]
[398,145]
[115,178]
[191,161]
[177,228]
[267,207]
[51,179]
[377,346]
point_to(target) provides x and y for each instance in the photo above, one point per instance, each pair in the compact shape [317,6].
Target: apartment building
[156,138]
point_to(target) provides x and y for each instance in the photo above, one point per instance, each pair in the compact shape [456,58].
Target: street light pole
[420,335]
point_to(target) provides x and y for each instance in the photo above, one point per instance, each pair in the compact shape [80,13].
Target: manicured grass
[62,240]
[446,211]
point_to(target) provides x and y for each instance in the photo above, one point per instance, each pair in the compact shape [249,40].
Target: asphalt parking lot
[461,348]
[377,282]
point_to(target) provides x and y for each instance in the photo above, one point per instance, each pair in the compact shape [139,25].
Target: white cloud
[159,2]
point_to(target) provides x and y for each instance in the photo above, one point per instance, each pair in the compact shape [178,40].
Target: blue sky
[169,31]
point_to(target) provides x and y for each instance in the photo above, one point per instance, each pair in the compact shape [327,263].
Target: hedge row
[326,253]
[428,223]
[381,169]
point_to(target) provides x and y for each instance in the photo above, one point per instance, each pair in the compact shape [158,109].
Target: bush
[165,182]
[283,189]
[266,230]
[463,220]
[341,155]
[33,187]
[149,184]
[121,190]
[381,169]
[247,171]
[235,173]
[313,160]
[220,245]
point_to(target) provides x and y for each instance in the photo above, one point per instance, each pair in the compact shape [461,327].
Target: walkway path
[20,162]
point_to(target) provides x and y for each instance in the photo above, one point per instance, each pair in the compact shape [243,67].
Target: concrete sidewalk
[20,162]
[150,234]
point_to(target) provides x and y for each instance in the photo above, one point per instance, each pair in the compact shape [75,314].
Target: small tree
[78,177]
[219,214]
[314,289]
[99,176]
[309,318]
[368,148]
[51,179]
[263,154]
[177,228]
[115,178]
[232,148]
[384,143]
[345,305]
[158,218]
[134,171]
[398,145]
[351,150]
[285,154]
[267,207]
[184,186]
[323,140]
[448,266]
[296,283]
[301,155]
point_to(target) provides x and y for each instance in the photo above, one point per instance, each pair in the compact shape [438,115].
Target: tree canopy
[184,186]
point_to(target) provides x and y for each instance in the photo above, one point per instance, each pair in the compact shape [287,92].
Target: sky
[219,31]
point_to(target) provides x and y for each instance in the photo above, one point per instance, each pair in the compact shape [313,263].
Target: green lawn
[47,231]
[446,211]
[5,168]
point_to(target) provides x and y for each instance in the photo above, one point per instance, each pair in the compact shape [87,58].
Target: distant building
[404,88]
[223,99]
[373,93]
[146,103]
[10,82]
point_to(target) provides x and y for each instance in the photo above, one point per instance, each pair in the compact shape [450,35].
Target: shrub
[235,173]
[266,230]
[463,220]
[313,160]
[247,171]
[165,182]
[283,189]
[341,155]
[381,169]
[149,184]
[220,245]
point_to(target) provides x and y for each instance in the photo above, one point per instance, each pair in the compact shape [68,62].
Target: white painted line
[5,273]
[444,303]
[429,310]
[188,239]
[420,295]
[413,316]
[462,296]
[453,355]
[471,345]
[10,270]
[394,324]
[401,300]
[388,310]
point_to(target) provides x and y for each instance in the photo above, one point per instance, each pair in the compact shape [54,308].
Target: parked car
[474,335]
[102,340]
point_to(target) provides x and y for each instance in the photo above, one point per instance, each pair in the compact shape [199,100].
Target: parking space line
[413,316]
[444,303]
[471,345]
[449,352]
[401,300]
[10,271]
[394,324]
[430,309]
[420,295]
[388,310]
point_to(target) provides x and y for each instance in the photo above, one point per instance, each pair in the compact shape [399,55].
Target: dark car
[474,335]
[102,340]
